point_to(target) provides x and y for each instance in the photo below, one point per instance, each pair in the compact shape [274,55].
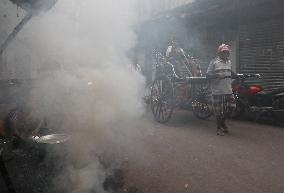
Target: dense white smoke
[77,42]
[78,52]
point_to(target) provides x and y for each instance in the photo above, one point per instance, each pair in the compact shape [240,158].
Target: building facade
[147,9]
[254,29]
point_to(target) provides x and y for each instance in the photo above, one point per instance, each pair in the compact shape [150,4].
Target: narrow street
[186,155]
[78,80]
[183,156]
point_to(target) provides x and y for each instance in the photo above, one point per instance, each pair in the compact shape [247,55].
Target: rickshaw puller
[223,100]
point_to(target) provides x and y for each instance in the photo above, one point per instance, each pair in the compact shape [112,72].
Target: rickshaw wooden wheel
[201,110]
[162,99]
[200,106]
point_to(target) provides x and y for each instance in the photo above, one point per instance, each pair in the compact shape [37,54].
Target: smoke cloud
[77,53]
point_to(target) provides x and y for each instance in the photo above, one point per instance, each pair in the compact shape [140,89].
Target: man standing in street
[223,101]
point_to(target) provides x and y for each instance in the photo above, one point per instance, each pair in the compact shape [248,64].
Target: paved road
[186,155]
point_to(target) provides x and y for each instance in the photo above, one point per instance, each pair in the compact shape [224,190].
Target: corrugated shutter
[262,51]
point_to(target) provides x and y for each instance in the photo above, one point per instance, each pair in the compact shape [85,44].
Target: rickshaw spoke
[156,112]
[159,113]
[155,109]
[159,87]
[162,112]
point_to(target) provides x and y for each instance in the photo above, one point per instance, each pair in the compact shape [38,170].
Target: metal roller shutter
[261,50]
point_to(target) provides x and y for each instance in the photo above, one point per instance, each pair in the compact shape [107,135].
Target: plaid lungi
[223,105]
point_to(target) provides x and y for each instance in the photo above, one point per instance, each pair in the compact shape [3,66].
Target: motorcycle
[253,99]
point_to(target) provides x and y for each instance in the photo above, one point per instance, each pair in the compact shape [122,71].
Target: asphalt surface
[186,156]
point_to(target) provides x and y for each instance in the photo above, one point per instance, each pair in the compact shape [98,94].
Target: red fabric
[223,48]
[255,89]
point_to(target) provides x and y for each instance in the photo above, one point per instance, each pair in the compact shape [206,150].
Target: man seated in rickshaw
[177,57]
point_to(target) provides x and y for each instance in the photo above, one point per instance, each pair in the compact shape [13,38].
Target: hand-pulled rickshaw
[171,90]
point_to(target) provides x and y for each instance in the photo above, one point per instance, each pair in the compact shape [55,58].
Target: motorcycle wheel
[278,110]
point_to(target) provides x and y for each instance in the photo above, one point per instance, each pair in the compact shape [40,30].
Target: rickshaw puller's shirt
[220,86]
